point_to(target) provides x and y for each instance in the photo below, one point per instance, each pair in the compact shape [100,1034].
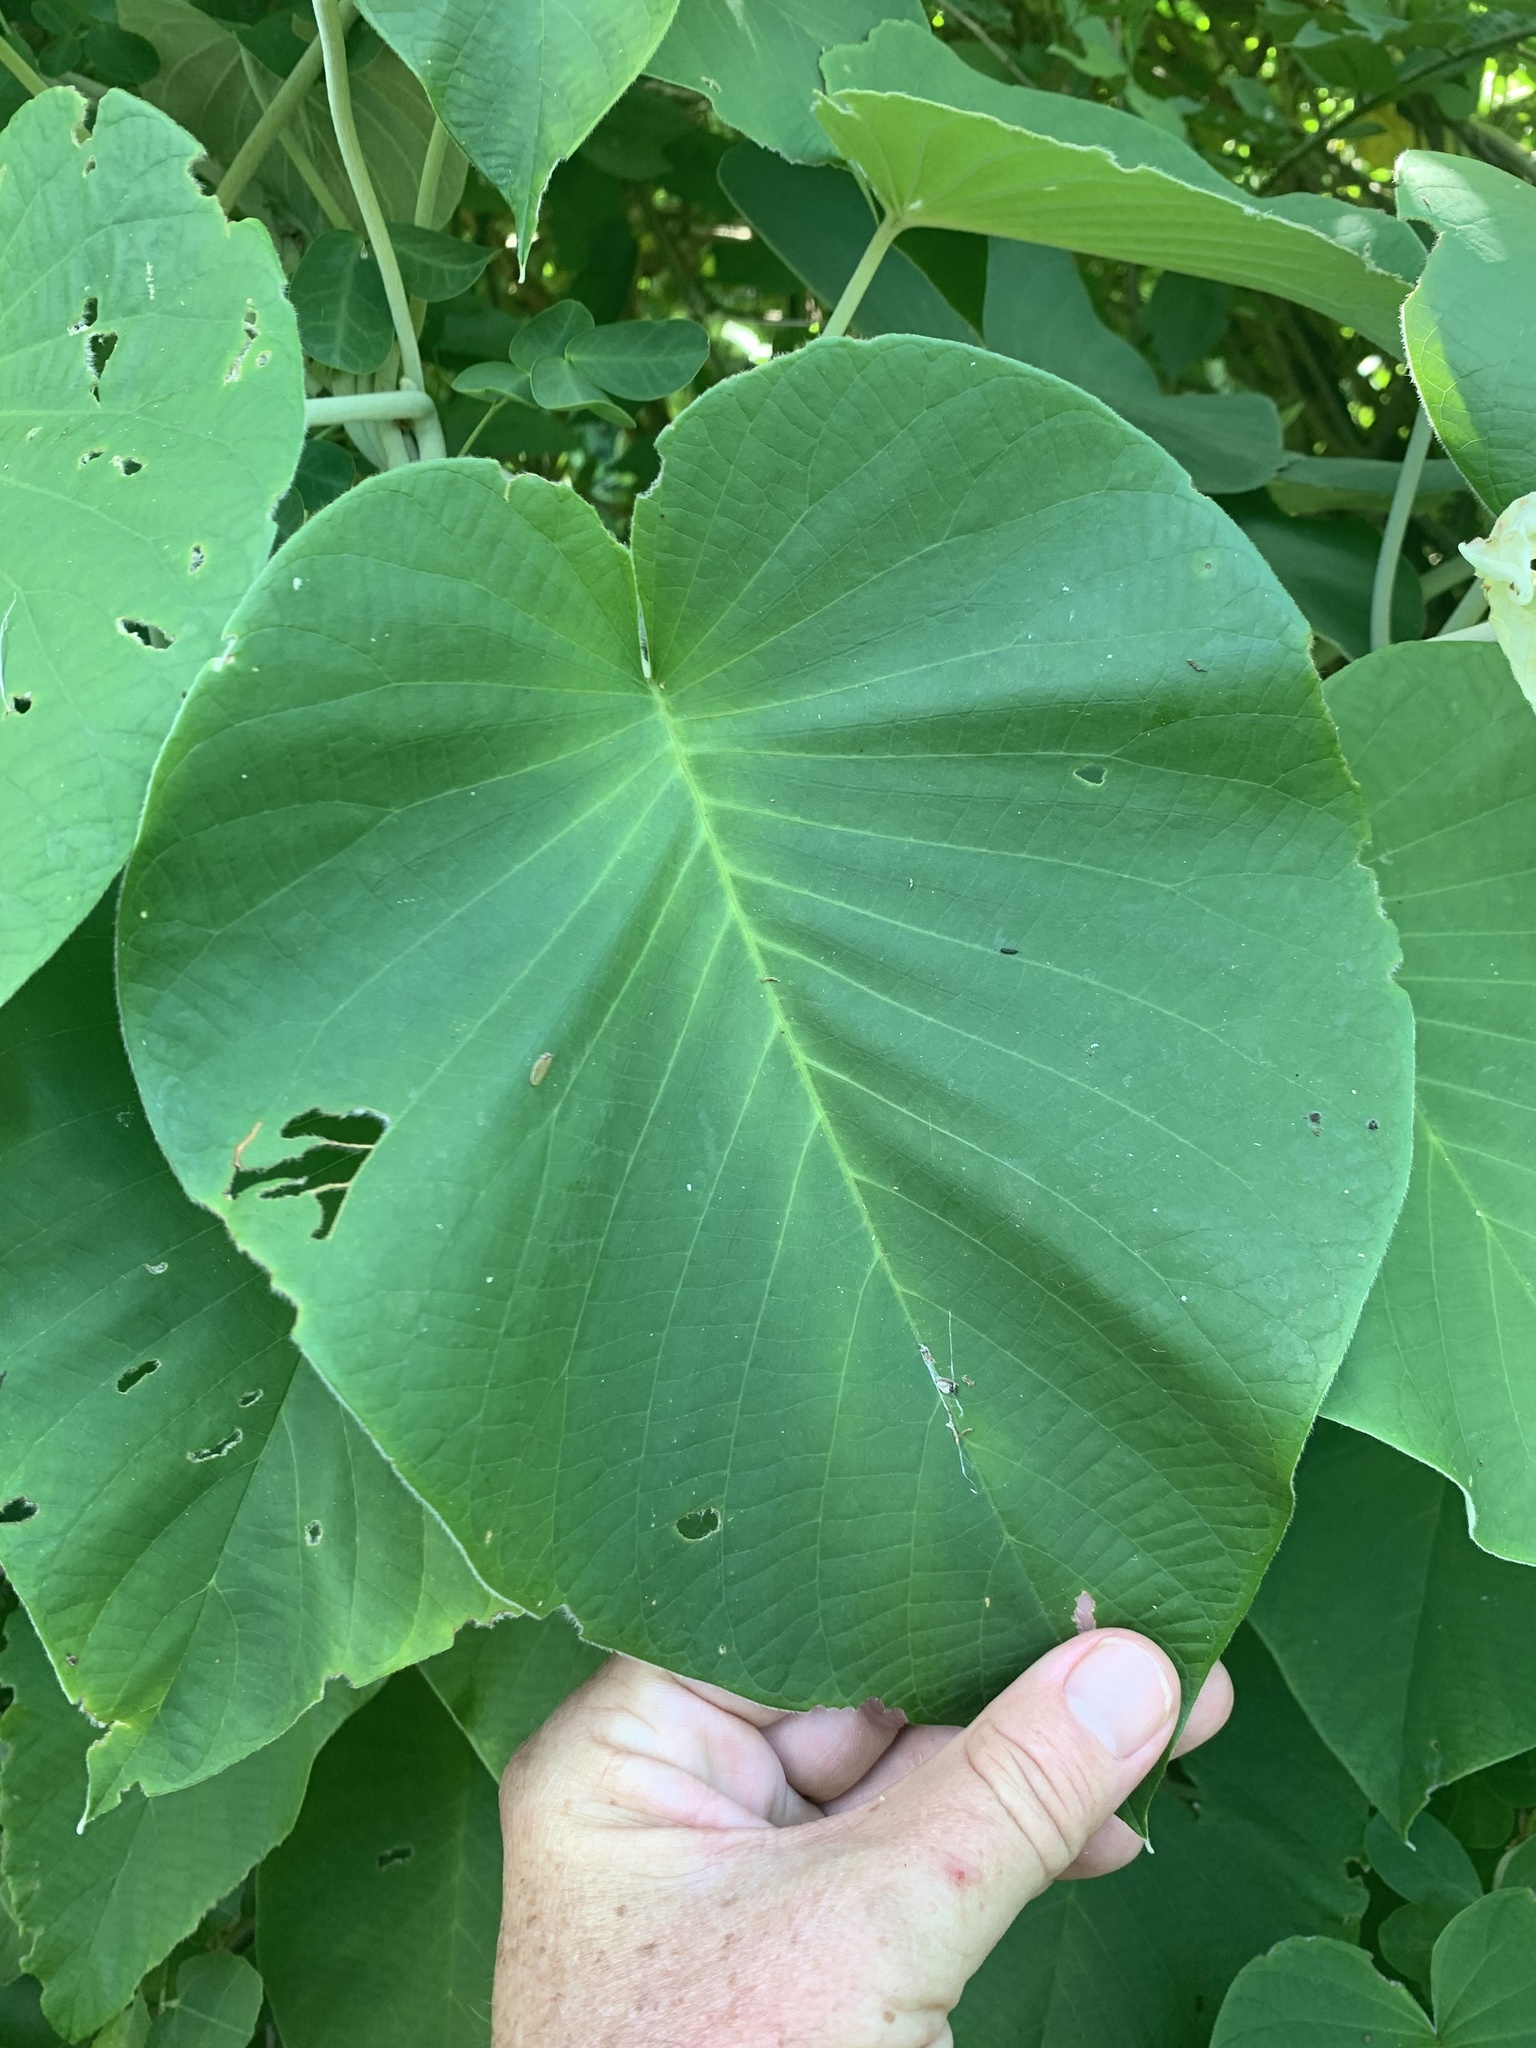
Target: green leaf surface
[151,413]
[22,2024]
[1252,1841]
[818,222]
[548,334]
[1038,311]
[495,380]
[100,1908]
[433,265]
[1413,1652]
[1328,566]
[1468,320]
[211,1535]
[640,359]
[376,1921]
[216,2003]
[1444,747]
[217,86]
[500,1683]
[521,87]
[925,978]
[759,61]
[1428,1867]
[1320,1994]
[129,2029]
[341,305]
[559,387]
[1519,1868]
[945,146]
[1325,483]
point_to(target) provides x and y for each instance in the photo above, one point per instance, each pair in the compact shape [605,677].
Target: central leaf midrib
[768,985]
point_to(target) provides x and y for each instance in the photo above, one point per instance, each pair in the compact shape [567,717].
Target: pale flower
[1503,561]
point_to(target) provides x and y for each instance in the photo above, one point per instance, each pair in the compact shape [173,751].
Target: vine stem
[431,175]
[864,272]
[284,104]
[300,158]
[1469,611]
[367,405]
[20,69]
[482,423]
[429,433]
[1403,495]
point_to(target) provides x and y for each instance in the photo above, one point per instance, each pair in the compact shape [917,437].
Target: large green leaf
[1320,1994]
[1038,310]
[945,146]
[1413,1651]
[928,976]
[1329,567]
[1253,1843]
[759,61]
[1444,1362]
[376,1920]
[202,1533]
[151,411]
[1468,321]
[99,1908]
[212,83]
[500,1683]
[521,87]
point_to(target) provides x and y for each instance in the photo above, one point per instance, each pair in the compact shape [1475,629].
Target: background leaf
[1329,566]
[1468,320]
[217,2000]
[640,359]
[1444,747]
[501,1683]
[1030,1063]
[98,1909]
[341,305]
[1412,1651]
[152,414]
[942,144]
[376,1921]
[436,266]
[195,1603]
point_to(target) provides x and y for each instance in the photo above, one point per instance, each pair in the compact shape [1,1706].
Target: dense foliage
[771,1022]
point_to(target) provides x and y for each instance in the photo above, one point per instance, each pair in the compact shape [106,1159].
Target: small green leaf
[1428,1866]
[376,1920]
[759,62]
[500,1683]
[843,929]
[100,1908]
[495,380]
[519,88]
[548,334]
[1439,1365]
[1484,1976]
[557,386]
[943,145]
[640,359]
[151,412]
[1413,1651]
[216,2003]
[1468,320]
[342,308]
[1324,483]
[325,470]
[433,265]
[130,2029]
[118,58]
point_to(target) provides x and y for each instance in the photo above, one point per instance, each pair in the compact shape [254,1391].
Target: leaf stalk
[284,104]
[1403,495]
[864,274]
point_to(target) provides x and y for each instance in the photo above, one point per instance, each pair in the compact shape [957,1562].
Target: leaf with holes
[202,1534]
[874,1115]
[943,146]
[152,402]
[759,61]
[1468,319]
[99,1908]
[518,87]
[1444,747]
[1413,1651]
[376,1921]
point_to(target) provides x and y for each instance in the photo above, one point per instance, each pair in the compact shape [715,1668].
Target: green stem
[863,276]
[366,405]
[1444,576]
[1406,491]
[298,156]
[339,94]
[482,423]
[285,103]
[1474,603]
[431,175]
[20,69]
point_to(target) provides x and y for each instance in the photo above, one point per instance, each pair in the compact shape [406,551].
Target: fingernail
[1121,1695]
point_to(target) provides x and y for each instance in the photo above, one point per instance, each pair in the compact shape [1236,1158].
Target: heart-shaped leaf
[151,413]
[876,1111]
[341,305]
[640,359]
[495,380]
[1468,320]
[944,146]
[548,334]
[436,266]
[1444,747]
[559,387]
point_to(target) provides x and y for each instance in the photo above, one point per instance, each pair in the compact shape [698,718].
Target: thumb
[1000,1812]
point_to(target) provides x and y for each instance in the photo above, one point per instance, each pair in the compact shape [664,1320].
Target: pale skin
[684,1867]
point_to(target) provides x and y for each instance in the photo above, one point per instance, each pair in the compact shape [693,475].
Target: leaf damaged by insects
[326,1170]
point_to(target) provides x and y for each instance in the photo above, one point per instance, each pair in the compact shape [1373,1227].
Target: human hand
[687,1870]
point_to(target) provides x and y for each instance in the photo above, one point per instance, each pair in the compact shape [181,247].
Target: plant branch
[299,157]
[482,423]
[1403,495]
[975,28]
[367,405]
[285,103]
[431,176]
[1474,603]
[863,276]
[339,95]
[20,69]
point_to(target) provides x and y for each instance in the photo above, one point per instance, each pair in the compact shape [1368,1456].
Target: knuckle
[1044,1791]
